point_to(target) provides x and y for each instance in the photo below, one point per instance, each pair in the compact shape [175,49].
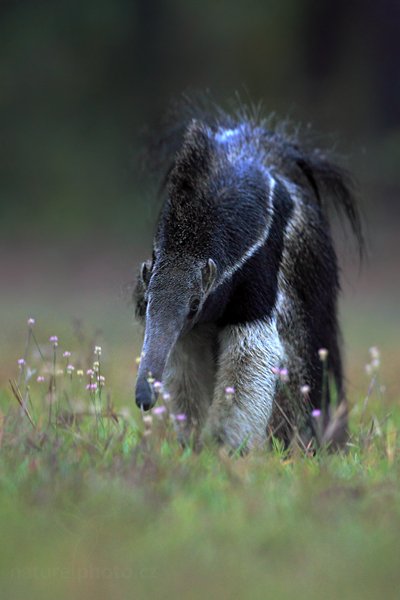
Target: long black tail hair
[292,150]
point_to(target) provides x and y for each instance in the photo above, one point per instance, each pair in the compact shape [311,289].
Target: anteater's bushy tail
[300,161]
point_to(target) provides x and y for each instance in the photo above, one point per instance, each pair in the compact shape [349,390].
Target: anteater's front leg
[190,378]
[247,355]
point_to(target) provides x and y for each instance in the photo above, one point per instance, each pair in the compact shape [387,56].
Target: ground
[107,505]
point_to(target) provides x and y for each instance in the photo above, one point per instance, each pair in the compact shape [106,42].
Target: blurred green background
[79,80]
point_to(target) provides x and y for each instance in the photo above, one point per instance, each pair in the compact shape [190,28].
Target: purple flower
[21,362]
[91,386]
[230,390]
[159,410]
[284,375]
[54,340]
[316,413]
[40,379]
[66,354]
[180,417]
[166,396]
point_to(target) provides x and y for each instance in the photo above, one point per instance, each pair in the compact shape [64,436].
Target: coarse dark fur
[243,277]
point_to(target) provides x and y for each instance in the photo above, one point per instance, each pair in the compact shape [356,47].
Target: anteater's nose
[145,396]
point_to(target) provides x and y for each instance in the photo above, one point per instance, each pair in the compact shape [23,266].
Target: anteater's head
[175,291]
[215,210]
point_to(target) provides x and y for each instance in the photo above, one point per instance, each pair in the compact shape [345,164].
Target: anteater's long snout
[158,343]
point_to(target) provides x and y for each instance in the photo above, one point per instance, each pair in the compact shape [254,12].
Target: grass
[96,503]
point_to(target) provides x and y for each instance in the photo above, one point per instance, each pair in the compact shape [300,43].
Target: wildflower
[230,390]
[97,350]
[21,362]
[368,369]
[375,363]
[92,386]
[305,390]
[54,340]
[180,417]
[157,386]
[90,372]
[159,410]
[284,375]
[79,373]
[40,379]
[96,365]
[102,380]
[166,396]
[323,354]
[31,322]
[70,369]
[374,352]
[66,354]
[316,413]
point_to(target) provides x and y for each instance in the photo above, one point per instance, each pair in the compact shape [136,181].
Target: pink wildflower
[157,386]
[284,375]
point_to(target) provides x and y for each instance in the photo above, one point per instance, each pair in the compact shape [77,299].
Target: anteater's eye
[194,307]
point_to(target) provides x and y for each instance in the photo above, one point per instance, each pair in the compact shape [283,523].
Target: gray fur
[247,355]
[243,280]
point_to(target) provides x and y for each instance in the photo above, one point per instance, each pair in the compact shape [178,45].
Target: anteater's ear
[198,146]
[208,274]
[193,163]
[145,272]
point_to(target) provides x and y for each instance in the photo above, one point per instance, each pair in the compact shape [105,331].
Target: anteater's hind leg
[190,377]
[247,355]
